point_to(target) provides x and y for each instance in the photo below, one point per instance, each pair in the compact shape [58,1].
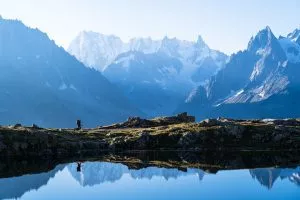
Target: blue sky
[226,25]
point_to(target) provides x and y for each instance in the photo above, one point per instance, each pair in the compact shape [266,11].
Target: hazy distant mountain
[259,82]
[151,81]
[41,83]
[156,75]
[98,51]
[145,45]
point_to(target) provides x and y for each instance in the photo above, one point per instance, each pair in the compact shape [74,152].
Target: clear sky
[226,25]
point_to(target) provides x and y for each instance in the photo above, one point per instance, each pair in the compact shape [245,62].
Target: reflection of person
[78,122]
[79,166]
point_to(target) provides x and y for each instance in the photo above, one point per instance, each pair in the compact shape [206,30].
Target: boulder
[17,125]
[184,117]
[34,126]
[210,122]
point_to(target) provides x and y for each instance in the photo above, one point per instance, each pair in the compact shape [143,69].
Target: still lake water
[104,180]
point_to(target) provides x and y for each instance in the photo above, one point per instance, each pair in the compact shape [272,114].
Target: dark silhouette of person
[78,122]
[78,166]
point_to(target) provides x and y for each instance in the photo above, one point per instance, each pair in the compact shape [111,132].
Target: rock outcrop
[137,122]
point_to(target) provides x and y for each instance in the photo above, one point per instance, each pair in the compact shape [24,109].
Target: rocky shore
[167,133]
[209,161]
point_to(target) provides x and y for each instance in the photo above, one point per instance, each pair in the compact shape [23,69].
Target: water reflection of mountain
[15,187]
[93,173]
[166,173]
[268,176]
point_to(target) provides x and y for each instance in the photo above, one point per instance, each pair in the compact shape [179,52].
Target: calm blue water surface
[103,180]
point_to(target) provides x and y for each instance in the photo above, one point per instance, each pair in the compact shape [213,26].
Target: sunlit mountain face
[259,82]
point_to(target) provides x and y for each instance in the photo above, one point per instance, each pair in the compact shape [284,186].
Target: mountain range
[155,75]
[107,80]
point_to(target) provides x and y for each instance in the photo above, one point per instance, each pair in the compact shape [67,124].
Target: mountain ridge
[258,82]
[41,83]
[79,47]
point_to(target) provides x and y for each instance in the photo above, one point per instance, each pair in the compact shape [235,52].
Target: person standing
[78,122]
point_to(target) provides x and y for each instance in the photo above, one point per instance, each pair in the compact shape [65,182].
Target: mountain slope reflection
[93,173]
[15,187]
[268,176]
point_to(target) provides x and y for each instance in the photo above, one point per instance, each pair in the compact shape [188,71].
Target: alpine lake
[154,175]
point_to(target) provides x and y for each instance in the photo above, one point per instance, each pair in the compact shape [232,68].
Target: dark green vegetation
[170,133]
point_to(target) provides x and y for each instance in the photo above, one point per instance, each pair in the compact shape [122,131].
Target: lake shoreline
[177,133]
[211,162]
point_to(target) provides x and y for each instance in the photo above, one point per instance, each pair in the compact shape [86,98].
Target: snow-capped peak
[170,42]
[200,41]
[145,45]
[291,46]
[263,40]
[125,59]
[96,50]
[99,51]
[295,36]
[292,49]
